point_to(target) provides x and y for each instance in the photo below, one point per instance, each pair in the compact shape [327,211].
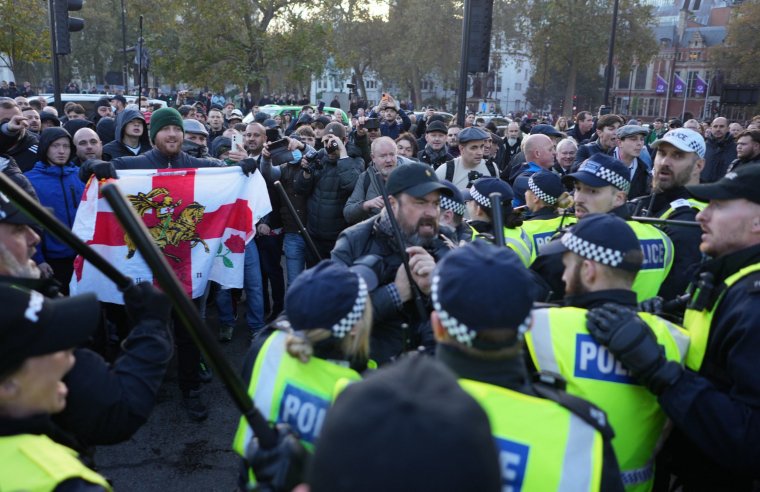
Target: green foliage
[24,36]
[571,37]
[738,54]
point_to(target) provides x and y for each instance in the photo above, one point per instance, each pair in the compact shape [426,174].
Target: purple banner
[678,85]
[700,86]
[662,85]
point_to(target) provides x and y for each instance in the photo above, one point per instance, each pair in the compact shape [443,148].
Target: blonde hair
[354,346]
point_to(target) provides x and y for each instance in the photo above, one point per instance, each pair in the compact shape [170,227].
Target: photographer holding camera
[328,180]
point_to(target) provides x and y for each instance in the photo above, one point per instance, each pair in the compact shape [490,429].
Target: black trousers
[62,270]
[188,355]
[270,255]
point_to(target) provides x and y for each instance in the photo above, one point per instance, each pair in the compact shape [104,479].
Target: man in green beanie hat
[166,134]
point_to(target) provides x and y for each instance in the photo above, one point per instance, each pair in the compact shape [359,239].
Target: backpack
[450,169]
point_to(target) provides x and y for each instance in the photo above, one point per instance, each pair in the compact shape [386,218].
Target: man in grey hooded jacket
[131,136]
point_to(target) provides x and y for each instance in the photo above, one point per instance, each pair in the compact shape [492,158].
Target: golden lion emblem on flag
[171,229]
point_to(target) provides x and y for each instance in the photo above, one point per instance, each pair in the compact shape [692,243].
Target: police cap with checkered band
[455,202]
[744,182]
[328,296]
[601,170]
[546,186]
[683,139]
[481,190]
[603,238]
[478,287]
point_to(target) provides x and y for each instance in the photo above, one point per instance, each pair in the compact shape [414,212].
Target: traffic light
[65,24]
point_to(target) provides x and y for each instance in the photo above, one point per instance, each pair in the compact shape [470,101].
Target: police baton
[498,219]
[655,221]
[301,228]
[188,314]
[34,210]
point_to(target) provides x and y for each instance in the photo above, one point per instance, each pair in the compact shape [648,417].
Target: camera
[473,176]
[273,134]
[279,153]
[371,124]
[314,160]
[351,86]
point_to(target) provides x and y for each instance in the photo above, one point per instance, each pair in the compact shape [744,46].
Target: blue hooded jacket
[58,188]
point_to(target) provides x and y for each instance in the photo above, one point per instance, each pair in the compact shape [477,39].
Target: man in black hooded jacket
[131,136]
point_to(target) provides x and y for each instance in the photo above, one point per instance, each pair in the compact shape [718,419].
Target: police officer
[478,204]
[477,325]
[414,194]
[714,402]
[106,404]
[37,337]
[602,256]
[601,186]
[545,194]
[678,162]
[453,211]
[295,365]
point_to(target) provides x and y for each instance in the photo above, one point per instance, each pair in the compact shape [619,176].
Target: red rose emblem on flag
[236,244]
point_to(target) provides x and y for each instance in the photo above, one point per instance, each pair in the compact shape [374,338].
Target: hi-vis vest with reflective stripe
[35,463]
[518,241]
[698,322]
[658,259]
[284,389]
[558,342]
[683,202]
[541,231]
[542,445]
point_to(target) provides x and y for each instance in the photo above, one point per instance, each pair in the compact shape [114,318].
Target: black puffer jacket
[718,156]
[328,190]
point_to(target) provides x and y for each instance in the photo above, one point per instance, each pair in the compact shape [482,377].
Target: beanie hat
[164,117]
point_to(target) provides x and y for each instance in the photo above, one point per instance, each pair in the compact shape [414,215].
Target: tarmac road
[171,452]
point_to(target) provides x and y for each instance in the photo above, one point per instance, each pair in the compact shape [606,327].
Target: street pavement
[171,452]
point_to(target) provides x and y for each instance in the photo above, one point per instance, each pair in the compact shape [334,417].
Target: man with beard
[88,145]
[747,149]
[721,151]
[601,257]
[166,132]
[366,200]
[414,193]
[601,187]
[512,145]
[713,403]
[678,161]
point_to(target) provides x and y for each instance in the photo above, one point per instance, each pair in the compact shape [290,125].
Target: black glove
[281,467]
[101,170]
[143,301]
[632,342]
[248,166]
[652,305]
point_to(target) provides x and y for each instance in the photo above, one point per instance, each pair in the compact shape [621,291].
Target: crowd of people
[608,345]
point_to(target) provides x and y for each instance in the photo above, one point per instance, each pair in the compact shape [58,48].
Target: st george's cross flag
[201,219]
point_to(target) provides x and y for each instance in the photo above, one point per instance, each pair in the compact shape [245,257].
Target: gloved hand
[281,467]
[101,170]
[143,301]
[248,166]
[652,305]
[632,342]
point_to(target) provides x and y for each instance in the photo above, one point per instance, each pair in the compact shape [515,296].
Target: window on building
[518,86]
[370,84]
[498,84]
[624,79]
[640,81]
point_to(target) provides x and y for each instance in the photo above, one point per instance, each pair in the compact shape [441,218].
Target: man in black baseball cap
[414,194]
[720,388]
